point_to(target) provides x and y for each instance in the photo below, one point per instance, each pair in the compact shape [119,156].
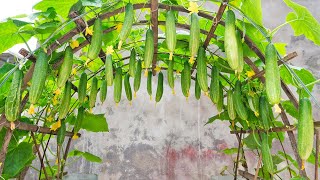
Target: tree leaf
[95,122]
[88,156]
[230,151]
[61,7]
[305,76]
[94,3]
[9,35]
[290,109]
[222,116]
[17,159]
[255,13]
[302,22]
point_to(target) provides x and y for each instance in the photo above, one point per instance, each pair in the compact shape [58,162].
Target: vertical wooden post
[316,170]
[154,25]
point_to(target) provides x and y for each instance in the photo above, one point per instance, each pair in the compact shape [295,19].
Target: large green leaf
[88,156]
[61,7]
[95,122]
[290,109]
[252,9]
[305,76]
[303,23]
[9,35]
[17,159]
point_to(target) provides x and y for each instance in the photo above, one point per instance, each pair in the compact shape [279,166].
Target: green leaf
[88,156]
[290,109]
[303,23]
[61,7]
[9,35]
[17,159]
[255,13]
[230,151]
[94,3]
[222,116]
[305,76]
[292,160]
[95,122]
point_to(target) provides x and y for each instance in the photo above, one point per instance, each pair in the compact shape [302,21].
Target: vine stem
[39,155]
[258,165]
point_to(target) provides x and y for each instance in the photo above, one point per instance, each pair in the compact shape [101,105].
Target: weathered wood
[154,26]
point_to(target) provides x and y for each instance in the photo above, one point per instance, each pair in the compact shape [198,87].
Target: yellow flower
[48,110]
[12,126]
[49,119]
[277,108]
[29,83]
[57,92]
[31,109]
[109,50]
[56,125]
[191,60]
[74,71]
[157,69]
[250,73]
[251,93]
[118,27]
[193,7]
[88,31]
[75,136]
[74,44]
[55,100]
[178,71]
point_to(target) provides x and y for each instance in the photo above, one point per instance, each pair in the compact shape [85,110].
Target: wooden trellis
[155,6]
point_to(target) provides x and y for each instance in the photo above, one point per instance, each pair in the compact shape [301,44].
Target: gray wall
[169,140]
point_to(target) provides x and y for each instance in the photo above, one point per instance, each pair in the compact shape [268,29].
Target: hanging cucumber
[215,84]
[103,90]
[194,41]
[240,53]
[132,63]
[13,100]
[197,89]
[78,123]
[127,24]
[82,89]
[186,79]
[66,67]
[159,87]
[273,83]
[231,105]
[305,130]
[202,70]
[93,93]
[170,75]
[66,99]
[127,87]
[109,70]
[230,41]
[220,99]
[264,112]
[171,38]
[149,84]
[38,79]
[96,40]
[238,103]
[137,78]
[149,50]
[117,86]
[266,154]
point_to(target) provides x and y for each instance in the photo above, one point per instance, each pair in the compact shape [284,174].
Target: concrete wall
[169,140]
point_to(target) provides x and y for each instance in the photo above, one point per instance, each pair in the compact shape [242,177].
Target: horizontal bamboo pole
[30,127]
[275,129]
